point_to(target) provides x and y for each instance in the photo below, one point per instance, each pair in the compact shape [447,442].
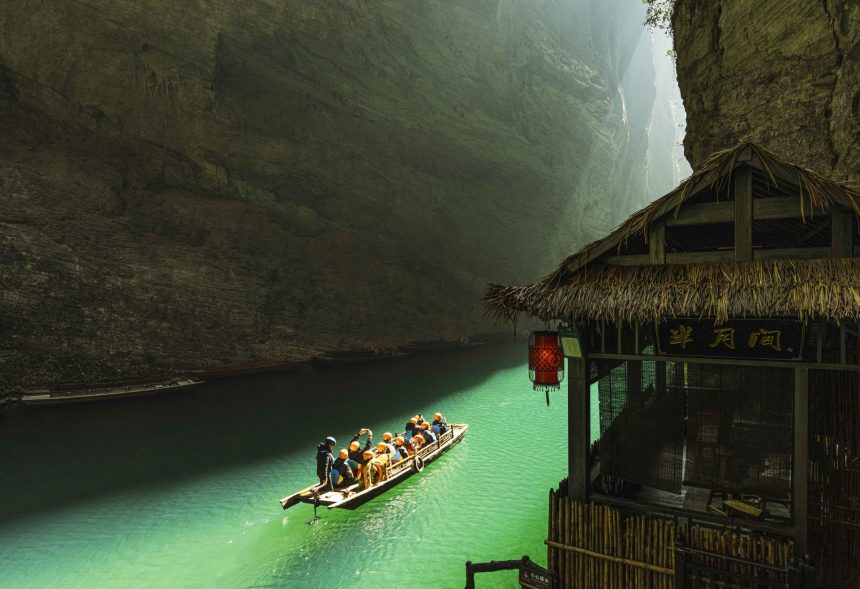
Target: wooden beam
[800,463]
[840,233]
[743,214]
[796,253]
[783,207]
[731,361]
[579,428]
[700,257]
[702,213]
[657,243]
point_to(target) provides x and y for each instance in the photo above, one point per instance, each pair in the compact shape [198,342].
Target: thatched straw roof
[580,288]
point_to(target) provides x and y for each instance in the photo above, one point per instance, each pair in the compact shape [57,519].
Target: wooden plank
[797,253]
[804,253]
[579,411]
[800,463]
[743,214]
[700,257]
[657,243]
[702,213]
[732,361]
[841,243]
[782,207]
[616,559]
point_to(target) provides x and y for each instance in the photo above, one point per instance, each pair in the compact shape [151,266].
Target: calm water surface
[183,491]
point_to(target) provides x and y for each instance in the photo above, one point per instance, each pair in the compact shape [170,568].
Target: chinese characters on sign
[738,338]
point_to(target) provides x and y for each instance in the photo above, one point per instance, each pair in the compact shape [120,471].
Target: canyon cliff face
[783,73]
[192,184]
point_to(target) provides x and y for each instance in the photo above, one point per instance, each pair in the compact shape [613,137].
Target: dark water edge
[53,457]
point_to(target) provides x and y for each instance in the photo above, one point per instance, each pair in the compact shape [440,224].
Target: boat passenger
[384,451]
[439,425]
[401,448]
[355,450]
[325,459]
[410,428]
[429,436]
[342,474]
[417,442]
[373,463]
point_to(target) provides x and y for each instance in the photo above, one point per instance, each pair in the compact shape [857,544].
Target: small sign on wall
[762,339]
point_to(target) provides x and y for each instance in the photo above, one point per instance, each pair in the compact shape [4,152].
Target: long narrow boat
[46,397]
[353,496]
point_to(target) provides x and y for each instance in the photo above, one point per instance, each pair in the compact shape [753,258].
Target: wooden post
[841,245]
[578,423]
[657,243]
[800,463]
[743,214]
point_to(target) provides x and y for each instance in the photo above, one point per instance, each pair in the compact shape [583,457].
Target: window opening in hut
[700,238]
[678,427]
[813,231]
[640,426]
[740,428]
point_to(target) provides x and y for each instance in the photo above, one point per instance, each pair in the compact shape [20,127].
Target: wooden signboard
[536,578]
[760,339]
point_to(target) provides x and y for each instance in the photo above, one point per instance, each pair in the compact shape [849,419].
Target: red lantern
[546,361]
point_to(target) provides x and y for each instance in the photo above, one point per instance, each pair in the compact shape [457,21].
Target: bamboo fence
[594,546]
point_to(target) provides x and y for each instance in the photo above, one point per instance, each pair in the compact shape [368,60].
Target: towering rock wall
[783,73]
[187,184]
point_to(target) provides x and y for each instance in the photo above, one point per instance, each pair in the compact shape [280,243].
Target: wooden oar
[296,498]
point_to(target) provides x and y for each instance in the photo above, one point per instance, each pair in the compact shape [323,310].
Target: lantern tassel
[547,397]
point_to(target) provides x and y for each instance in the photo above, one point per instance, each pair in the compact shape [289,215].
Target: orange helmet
[354,446]
[368,453]
[425,425]
[437,416]
[386,436]
[382,447]
[419,438]
[398,441]
[413,420]
[343,453]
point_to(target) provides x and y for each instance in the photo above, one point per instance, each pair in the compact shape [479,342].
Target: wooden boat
[47,397]
[355,495]
[358,356]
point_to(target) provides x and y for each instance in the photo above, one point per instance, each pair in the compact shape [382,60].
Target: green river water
[182,490]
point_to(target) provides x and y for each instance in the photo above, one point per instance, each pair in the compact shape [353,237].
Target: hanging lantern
[546,361]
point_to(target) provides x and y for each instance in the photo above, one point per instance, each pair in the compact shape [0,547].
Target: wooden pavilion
[719,327]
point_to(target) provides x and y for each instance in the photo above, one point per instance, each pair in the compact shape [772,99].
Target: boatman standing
[325,459]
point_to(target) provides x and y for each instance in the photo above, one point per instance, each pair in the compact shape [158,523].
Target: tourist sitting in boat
[429,436]
[410,428]
[374,466]
[417,442]
[439,425]
[325,459]
[355,450]
[401,448]
[342,473]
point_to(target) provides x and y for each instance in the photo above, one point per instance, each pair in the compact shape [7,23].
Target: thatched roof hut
[748,234]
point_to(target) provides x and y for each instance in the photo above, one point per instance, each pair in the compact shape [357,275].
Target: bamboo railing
[596,546]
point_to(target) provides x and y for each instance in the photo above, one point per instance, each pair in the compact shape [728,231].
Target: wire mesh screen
[834,476]
[641,424]
[740,427]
